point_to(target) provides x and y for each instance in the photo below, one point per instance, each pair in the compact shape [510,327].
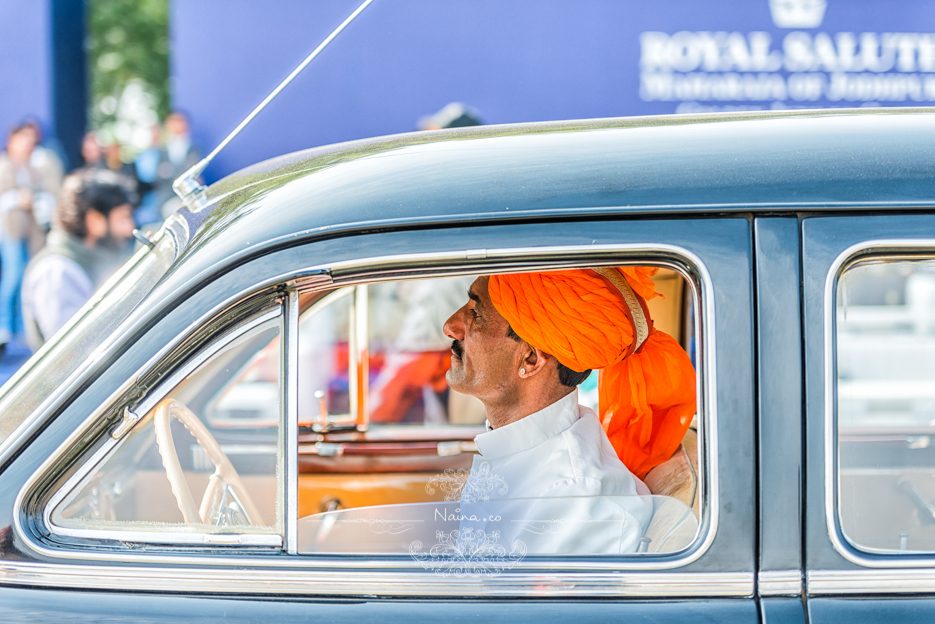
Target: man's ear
[534,361]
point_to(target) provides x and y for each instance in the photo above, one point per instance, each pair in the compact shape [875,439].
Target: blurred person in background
[91,151]
[178,155]
[48,158]
[107,154]
[454,115]
[27,200]
[93,217]
[411,385]
[113,160]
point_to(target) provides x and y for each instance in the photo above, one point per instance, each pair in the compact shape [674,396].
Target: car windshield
[69,352]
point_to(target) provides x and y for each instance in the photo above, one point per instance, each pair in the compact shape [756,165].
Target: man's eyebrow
[473,297]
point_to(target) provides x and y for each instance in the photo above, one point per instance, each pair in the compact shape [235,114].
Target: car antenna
[187,185]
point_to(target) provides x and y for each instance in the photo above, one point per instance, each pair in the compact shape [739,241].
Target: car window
[885,390]
[382,439]
[176,473]
[402,474]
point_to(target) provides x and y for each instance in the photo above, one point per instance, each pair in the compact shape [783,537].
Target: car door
[869,300]
[714,578]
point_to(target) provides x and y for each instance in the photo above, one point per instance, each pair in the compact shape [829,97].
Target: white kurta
[553,482]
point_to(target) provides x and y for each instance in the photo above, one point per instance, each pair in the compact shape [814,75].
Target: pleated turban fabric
[598,319]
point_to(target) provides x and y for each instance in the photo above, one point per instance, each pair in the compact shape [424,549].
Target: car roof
[742,162]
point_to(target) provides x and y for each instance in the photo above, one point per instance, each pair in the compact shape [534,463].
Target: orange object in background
[402,380]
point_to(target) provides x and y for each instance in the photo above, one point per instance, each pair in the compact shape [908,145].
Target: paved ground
[16,353]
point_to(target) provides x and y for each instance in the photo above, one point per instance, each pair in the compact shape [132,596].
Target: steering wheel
[226,500]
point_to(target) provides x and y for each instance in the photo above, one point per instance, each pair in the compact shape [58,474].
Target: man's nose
[453,327]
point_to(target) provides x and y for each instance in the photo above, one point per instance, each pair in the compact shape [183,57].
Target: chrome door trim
[110,444]
[360,345]
[847,550]
[904,580]
[289,432]
[368,584]
[309,574]
[779,583]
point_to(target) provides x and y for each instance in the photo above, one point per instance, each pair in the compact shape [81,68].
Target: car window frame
[402,266]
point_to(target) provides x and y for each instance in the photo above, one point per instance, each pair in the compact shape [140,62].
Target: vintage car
[251,420]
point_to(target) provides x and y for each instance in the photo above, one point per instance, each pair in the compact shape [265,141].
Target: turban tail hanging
[594,319]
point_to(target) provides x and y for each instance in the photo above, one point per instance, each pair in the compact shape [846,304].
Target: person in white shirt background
[95,209]
[27,198]
[547,470]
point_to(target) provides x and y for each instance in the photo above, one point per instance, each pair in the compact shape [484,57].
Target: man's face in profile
[484,361]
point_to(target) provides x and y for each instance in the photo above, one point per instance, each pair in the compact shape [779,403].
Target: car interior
[379,428]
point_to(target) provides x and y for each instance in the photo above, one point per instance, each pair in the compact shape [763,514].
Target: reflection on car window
[410,354]
[326,384]
[885,343]
[176,473]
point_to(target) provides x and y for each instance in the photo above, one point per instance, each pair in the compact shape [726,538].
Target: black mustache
[457,348]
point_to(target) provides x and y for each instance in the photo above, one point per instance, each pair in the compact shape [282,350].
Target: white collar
[530,431]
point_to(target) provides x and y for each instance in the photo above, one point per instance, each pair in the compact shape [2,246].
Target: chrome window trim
[308,575]
[371,584]
[852,552]
[904,580]
[110,444]
[289,432]
[29,426]
[360,346]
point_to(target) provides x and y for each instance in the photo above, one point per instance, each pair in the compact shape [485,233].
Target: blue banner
[539,60]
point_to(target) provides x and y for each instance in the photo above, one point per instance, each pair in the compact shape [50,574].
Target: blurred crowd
[62,235]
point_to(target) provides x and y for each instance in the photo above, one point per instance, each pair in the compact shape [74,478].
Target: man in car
[92,226]
[559,479]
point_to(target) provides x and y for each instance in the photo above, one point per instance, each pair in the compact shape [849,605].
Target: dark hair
[566,376]
[93,189]
[23,125]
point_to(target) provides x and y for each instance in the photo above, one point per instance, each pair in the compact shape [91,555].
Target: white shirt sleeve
[53,290]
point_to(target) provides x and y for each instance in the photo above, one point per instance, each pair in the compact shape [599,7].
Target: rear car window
[885,400]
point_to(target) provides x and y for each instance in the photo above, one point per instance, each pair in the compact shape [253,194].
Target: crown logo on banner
[798,13]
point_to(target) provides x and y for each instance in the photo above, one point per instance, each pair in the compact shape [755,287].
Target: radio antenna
[187,184]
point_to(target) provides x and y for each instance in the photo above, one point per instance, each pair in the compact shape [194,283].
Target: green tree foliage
[128,40]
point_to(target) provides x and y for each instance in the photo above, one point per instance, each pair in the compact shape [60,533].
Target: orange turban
[582,317]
